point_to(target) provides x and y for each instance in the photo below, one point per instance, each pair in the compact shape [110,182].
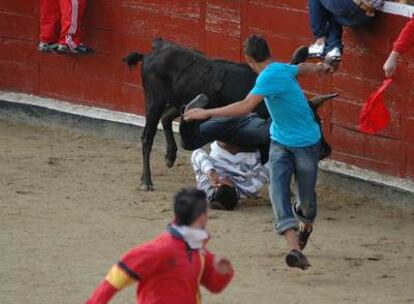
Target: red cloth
[167,271]
[374,116]
[60,20]
[406,39]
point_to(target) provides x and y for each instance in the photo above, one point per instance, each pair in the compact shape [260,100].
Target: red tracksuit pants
[60,21]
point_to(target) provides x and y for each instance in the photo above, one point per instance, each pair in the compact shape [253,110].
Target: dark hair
[256,47]
[226,196]
[189,204]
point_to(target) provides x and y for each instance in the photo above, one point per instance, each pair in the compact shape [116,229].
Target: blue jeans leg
[346,12]
[281,164]
[324,24]
[318,16]
[306,172]
[249,132]
[334,35]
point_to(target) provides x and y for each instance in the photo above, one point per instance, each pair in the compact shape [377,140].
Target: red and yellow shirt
[167,271]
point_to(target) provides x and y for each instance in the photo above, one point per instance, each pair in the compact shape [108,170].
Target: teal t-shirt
[293,121]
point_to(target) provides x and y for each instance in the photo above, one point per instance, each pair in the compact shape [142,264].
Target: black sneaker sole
[83,52]
[67,51]
[316,56]
[200,101]
[334,62]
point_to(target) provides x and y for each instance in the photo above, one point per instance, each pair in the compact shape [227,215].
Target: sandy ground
[70,205]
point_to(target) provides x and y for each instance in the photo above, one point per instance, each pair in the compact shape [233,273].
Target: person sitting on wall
[404,42]
[171,268]
[60,27]
[228,174]
[327,17]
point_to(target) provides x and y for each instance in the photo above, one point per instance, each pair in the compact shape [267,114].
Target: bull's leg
[153,116]
[171,153]
[157,94]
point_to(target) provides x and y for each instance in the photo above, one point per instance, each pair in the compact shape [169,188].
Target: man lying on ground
[228,174]
[404,43]
[170,268]
[295,141]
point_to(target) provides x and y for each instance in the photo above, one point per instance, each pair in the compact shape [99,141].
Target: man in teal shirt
[293,121]
[295,146]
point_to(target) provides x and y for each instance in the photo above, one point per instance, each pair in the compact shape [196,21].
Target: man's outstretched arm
[239,108]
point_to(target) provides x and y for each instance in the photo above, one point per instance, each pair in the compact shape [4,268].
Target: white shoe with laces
[334,55]
[316,50]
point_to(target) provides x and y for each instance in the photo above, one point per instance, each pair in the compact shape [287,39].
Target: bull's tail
[133,59]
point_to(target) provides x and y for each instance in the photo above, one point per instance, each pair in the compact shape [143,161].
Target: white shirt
[244,169]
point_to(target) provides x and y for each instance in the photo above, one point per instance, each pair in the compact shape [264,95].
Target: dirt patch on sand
[70,205]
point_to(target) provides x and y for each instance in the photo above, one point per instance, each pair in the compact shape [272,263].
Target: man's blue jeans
[284,162]
[328,16]
[249,132]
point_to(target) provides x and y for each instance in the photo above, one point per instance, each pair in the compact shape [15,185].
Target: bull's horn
[300,55]
[319,100]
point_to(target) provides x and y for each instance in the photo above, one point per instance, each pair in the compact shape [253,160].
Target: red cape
[374,116]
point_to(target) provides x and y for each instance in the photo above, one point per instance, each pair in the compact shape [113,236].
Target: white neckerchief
[193,237]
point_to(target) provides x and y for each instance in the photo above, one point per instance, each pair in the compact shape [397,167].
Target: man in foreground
[295,141]
[171,268]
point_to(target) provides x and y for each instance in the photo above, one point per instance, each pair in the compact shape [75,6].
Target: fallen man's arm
[201,161]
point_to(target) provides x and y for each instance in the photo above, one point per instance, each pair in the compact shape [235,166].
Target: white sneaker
[316,50]
[334,54]
[44,47]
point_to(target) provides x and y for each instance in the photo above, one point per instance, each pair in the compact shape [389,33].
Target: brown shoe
[297,259]
[303,237]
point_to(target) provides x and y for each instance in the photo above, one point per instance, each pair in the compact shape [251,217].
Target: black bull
[172,76]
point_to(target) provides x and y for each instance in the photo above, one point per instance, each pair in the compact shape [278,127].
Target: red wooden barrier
[217,27]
